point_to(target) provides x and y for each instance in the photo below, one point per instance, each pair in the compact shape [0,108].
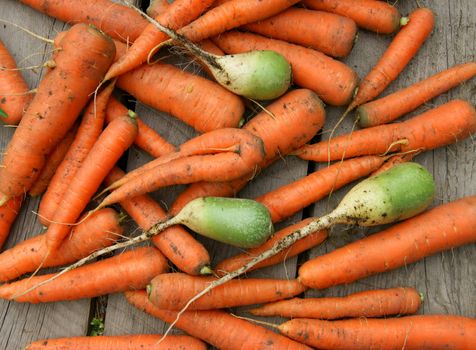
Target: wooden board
[447,280]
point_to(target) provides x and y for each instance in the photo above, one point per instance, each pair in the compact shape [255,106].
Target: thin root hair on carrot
[33,34]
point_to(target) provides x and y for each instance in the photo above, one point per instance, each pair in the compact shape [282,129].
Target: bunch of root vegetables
[74,127]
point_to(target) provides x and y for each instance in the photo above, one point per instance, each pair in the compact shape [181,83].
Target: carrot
[411,332]
[299,115]
[130,270]
[448,123]
[88,132]
[147,138]
[8,214]
[52,163]
[124,342]
[98,231]
[377,16]
[392,161]
[14,94]
[116,20]
[397,246]
[326,32]
[212,325]
[370,303]
[175,243]
[107,150]
[333,81]
[85,56]
[172,291]
[393,106]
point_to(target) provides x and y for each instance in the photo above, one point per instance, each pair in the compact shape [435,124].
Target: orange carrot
[8,214]
[86,54]
[400,245]
[392,161]
[172,291]
[377,16]
[436,332]
[175,243]
[98,231]
[448,123]
[88,132]
[331,80]
[212,325]
[124,342]
[370,303]
[130,270]
[111,144]
[14,95]
[331,34]
[403,101]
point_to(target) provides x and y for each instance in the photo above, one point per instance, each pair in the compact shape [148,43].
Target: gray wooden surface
[448,280]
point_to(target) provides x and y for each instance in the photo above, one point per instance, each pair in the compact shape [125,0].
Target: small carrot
[123,342]
[400,245]
[98,231]
[436,332]
[172,291]
[443,125]
[212,325]
[370,303]
[377,16]
[130,270]
[333,81]
[393,106]
[14,94]
[8,214]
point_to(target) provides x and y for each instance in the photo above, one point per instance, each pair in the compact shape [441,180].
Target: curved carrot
[393,106]
[179,246]
[436,332]
[14,94]
[121,342]
[172,291]
[98,231]
[370,303]
[333,81]
[212,325]
[80,65]
[448,123]
[111,144]
[8,214]
[326,32]
[127,271]
[377,16]
[400,245]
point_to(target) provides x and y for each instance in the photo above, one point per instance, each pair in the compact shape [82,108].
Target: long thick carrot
[8,214]
[98,231]
[393,106]
[172,291]
[127,271]
[377,16]
[14,95]
[436,332]
[123,342]
[370,303]
[86,54]
[111,144]
[329,33]
[175,243]
[333,81]
[400,245]
[212,326]
[448,123]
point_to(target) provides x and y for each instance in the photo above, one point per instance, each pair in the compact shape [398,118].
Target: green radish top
[240,222]
[402,191]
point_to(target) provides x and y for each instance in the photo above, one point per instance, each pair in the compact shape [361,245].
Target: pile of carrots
[73,129]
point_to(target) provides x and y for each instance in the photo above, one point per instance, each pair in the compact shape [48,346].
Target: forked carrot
[8,214]
[100,230]
[369,303]
[212,325]
[171,291]
[127,271]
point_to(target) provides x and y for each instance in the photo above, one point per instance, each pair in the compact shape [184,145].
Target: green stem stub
[3,114]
